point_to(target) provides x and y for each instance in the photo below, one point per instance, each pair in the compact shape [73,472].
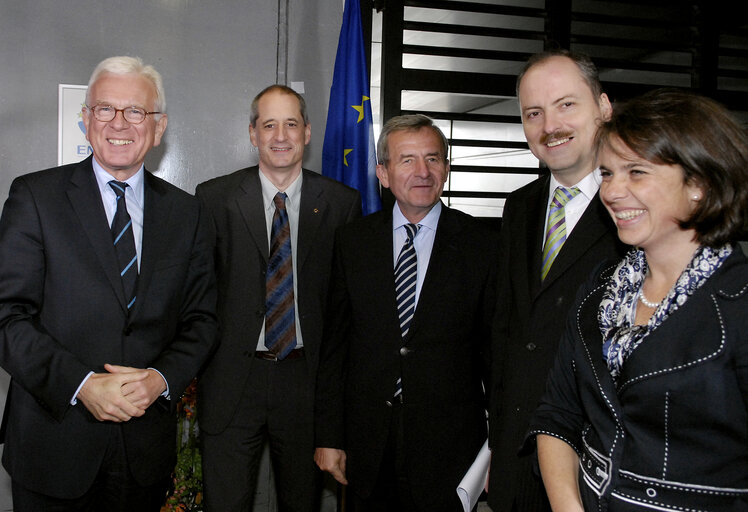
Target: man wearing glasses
[107,310]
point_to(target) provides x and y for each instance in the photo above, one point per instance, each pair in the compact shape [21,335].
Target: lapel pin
[316,210]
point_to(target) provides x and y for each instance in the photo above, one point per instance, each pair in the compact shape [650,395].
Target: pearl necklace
[649,304]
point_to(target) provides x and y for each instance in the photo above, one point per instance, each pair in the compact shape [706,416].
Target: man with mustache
[400,406]
[554,231]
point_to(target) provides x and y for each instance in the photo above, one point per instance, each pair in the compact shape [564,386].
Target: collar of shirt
[293,201]
[134,192]
[588,186]
[398,221]
[574,209]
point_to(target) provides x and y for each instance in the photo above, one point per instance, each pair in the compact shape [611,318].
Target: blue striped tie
[280,315]
[124,244]
[406,274]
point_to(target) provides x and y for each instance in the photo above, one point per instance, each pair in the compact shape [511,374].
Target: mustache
[545,139]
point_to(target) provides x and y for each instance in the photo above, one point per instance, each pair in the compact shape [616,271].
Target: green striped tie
[555,234]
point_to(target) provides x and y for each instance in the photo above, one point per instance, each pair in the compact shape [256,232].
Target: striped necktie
[406,275]
[124,243]
[280,315]
[555,234]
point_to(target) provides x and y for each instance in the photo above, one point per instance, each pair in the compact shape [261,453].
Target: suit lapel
[157,223]
[536,204]
[85,199]
[667,349]
[445,255]
[250,204]
[589,331]
[375,250]
[312,211]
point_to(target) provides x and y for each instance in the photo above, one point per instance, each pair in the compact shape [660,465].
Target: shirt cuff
[74,400]
[166,393]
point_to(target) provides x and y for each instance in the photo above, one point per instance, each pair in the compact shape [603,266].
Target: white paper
[474,481]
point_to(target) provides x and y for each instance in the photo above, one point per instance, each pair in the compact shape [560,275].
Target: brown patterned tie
[280,315]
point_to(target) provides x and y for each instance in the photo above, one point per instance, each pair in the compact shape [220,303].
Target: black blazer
[672,433]
[235,206]
[442,361]
[530,318]
[63,313]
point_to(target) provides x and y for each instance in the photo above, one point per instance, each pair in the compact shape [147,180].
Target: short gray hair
[411,122]
[124,65]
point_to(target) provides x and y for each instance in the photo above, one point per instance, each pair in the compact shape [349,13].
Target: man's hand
[102,396]
[140,392]
[332,460]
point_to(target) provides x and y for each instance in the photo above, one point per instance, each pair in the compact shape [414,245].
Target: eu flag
[348,153]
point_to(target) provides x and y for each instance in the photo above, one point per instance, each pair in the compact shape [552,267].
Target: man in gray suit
[546,251]
[259,386]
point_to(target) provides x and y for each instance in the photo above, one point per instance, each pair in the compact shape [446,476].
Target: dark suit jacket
[63,313]
[442,360]
[530,319]
[672,432]
[235,205]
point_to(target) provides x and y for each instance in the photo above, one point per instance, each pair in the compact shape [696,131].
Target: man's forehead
[269,104]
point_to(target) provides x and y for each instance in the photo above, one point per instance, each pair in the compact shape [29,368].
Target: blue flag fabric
[348,153]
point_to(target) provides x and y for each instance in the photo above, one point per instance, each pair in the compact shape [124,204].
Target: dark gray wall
[214,55]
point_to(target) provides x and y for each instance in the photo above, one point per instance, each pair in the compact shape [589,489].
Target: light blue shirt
[293,202]
[424,240]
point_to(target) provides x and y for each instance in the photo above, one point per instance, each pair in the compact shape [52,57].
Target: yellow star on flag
[360,108]
[345,154]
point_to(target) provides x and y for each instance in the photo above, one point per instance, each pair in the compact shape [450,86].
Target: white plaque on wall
[72,145]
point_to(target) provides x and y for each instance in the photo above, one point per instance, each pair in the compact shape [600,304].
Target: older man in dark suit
[274,226]
[107,310]
[554,231]
[400,407]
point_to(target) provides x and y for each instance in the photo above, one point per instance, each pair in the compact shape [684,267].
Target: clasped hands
[121,394]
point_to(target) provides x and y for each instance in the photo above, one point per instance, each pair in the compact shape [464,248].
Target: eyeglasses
[132,115]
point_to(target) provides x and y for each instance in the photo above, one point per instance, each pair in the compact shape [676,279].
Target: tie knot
[280,200]
[562,195]
[118,187]
[412,231]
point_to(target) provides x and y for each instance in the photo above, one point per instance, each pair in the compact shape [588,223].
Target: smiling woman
[660,337]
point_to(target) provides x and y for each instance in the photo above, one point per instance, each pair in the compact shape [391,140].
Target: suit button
[127,331]
[246,353]
[260,312]
[531,346]
[560,301]
[389,403]
[404,351]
